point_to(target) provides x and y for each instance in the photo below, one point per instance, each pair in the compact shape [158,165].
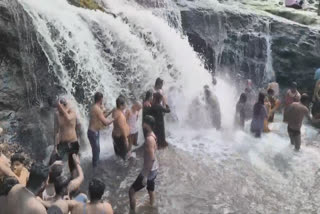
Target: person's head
[148,124]
[259,105]
[98,98]
[7,184]
[63,102]
[157,98]
[270,92]
[54,210]
[96,189]
[55,171]
[149,96]
[61,185]
[243,98]
[136,106]
[294,87]
[121,103]
[261,98]
[214,81]
[304,99]
[159,83]
[17,163]
[38,177]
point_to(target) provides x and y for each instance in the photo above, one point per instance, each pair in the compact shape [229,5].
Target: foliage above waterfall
[89,4]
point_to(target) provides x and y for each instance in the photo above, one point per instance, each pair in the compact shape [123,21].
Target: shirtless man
[97,122]
[5,187]
[150,167]
[66,135]
[22,200]
[96,190]
[121,129]
[294,115]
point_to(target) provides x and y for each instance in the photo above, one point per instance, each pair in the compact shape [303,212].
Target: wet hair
[259,105]
[54,210]
[243,98]
[60,185]
[96,189]
[294,85]
[270,91]
[120,101]
[38,175]
[55,171]
[98,97]
[18,157]
[159,82]
[7,184]
[304,99]
[149,94]
[157,98]
[150,121]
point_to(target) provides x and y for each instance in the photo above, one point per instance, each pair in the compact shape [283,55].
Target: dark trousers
[94,138]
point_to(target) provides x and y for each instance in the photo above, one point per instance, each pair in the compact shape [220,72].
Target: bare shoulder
[108,208]
[35,207]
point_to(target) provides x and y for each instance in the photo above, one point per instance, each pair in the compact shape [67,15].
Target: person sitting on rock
[18,167]
[296,4]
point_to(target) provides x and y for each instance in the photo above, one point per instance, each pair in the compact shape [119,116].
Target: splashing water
[224,171]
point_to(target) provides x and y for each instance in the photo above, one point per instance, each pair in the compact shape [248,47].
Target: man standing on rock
[294,115]
[97,122]
[66,136]
[150,166]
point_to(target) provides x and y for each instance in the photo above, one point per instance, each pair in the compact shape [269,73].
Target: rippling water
[205,171]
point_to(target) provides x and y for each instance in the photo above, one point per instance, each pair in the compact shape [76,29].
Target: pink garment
[292,2]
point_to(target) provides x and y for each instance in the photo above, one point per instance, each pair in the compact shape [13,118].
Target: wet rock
[25,82]
[237,43]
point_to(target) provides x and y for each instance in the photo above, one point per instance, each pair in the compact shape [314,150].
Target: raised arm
[103,119]
[63,111]
[76,182]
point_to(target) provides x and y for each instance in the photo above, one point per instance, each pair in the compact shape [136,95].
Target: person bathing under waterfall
[259,115]
[150,165]
[241,111]
[121,130]
[157,111]
[213,107]
[294,115]
[132,116]
[66,136]
[97,121]
[158,89]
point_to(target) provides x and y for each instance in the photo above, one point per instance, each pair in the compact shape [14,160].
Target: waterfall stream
[204,170]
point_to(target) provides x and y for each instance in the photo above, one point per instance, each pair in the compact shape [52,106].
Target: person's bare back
[22,201]
[295,114]
[120,126]
[95,208]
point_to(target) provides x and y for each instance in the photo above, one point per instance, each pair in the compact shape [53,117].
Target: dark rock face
[246,44]
[26,82]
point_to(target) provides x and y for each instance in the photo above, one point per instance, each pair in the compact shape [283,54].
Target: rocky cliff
[254,45]
[25,82]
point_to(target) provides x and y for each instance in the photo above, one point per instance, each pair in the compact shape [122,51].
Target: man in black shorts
[150,167]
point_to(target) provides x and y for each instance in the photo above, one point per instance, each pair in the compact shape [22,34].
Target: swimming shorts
[120,147]
[138,184]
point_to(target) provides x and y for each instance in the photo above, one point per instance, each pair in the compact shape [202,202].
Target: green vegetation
[90,4]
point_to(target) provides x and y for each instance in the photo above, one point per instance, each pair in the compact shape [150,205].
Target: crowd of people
[49,189]
[295,108]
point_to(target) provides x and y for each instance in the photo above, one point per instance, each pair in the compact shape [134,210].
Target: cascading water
[204,170]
